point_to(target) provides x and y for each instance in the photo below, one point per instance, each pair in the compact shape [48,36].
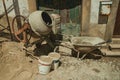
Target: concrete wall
[96,29]
[23,5]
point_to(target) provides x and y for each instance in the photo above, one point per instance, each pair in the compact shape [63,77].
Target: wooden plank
[116,36]
[115,46]
[116,41]
[110,53]
[32,5]
[85,16]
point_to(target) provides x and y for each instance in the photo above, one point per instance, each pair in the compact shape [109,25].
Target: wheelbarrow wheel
[21,31]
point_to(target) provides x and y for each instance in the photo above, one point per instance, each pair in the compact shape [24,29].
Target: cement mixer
[43,25]
[39,22]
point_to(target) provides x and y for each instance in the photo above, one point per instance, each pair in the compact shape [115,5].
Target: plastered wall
[23,5]
[90,16]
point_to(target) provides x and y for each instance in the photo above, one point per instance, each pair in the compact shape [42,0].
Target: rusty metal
[7,19]
[21,30]
[92,49]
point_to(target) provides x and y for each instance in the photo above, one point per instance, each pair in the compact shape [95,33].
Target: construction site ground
[15,65]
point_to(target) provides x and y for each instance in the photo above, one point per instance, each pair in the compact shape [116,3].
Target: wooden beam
[111,21]
[86,5]
[32,5]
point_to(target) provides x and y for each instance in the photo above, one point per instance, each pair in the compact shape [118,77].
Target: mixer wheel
[23,31]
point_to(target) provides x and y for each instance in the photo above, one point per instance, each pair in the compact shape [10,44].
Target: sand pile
[14,65]
[73,69]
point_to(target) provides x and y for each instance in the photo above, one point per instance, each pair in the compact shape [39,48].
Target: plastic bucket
[44,64]
[56,59]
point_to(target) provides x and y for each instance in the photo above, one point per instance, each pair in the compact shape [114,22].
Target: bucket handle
[55,49]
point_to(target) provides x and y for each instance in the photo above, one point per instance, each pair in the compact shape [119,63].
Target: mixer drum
[40,22]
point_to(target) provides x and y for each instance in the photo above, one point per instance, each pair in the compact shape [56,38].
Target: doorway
[116,33]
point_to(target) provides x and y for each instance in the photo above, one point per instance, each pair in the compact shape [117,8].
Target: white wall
[23,5]
[94,14]
[94,11]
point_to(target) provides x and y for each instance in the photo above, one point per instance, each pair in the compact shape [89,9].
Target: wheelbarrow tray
[86,43]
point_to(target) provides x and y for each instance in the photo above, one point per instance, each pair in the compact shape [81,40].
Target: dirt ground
[15,65]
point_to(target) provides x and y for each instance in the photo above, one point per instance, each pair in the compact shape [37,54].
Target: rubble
[73,69]
[14,65]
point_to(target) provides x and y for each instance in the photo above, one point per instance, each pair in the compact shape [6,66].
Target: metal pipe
[17,12]
[7,19]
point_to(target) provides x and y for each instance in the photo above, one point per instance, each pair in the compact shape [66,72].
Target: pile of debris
[88,69]
[14,65]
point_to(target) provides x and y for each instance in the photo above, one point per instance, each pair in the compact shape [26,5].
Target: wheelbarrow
[86,45]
